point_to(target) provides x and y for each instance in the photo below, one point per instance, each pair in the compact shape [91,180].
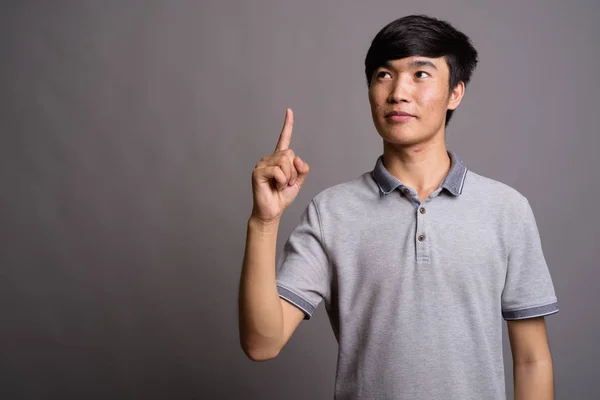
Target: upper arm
[292,316]
[528,289]
[303,271]
[528,340]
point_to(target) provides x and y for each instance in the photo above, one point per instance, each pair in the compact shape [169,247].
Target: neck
[422,167]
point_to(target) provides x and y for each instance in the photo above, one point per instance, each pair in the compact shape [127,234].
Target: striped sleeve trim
[532,312]
[291,297]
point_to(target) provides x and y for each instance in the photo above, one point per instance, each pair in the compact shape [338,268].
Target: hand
[278,177]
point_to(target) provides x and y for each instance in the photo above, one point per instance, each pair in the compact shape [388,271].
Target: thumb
[302,169]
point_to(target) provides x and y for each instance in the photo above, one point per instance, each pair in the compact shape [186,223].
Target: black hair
[422,35]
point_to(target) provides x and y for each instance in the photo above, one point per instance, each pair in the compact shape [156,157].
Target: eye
[382,74]
[421,72]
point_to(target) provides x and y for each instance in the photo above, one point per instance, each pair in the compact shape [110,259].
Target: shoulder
[492,191]
[347,195]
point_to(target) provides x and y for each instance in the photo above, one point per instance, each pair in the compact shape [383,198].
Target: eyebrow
[414,64]
[422,63]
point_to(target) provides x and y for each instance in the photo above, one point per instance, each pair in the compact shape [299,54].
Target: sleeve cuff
[531,312]
[291,297]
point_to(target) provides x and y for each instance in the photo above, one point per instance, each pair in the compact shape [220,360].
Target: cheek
[377,97]
[433,97]
[435,101]
[373,100]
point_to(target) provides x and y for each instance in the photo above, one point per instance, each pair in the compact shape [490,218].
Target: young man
[417,261]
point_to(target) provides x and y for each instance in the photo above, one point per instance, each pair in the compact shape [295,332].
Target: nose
[399,91]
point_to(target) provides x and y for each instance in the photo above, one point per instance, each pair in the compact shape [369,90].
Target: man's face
[415,85]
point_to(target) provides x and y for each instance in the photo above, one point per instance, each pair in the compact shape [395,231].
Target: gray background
[128,134]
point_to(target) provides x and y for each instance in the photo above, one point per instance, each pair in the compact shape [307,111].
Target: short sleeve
[303,276]
[528,290]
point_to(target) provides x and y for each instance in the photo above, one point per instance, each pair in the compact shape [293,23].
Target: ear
[456,95]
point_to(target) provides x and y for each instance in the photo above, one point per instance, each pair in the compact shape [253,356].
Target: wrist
[264,226]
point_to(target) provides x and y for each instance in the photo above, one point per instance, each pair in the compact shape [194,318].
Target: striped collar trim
[453,182]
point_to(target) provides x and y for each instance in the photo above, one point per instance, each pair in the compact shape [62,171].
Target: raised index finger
[286,132]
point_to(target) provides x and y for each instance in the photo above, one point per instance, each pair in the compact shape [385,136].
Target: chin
[401,134]
[397,134]
[406,138]
[395,141]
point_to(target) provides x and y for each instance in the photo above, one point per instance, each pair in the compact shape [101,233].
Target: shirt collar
[453,182]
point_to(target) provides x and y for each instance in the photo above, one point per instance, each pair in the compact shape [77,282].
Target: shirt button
[421,238]
[422,210]
[405,190]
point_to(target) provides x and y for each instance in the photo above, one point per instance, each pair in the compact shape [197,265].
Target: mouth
[398,116]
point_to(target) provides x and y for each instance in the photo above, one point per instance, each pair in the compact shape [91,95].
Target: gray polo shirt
[416,291]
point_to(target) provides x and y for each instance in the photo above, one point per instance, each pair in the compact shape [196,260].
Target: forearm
[260,313]
[534,380]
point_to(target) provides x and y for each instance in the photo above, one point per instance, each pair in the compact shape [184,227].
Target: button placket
[410,196]
[422,242]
